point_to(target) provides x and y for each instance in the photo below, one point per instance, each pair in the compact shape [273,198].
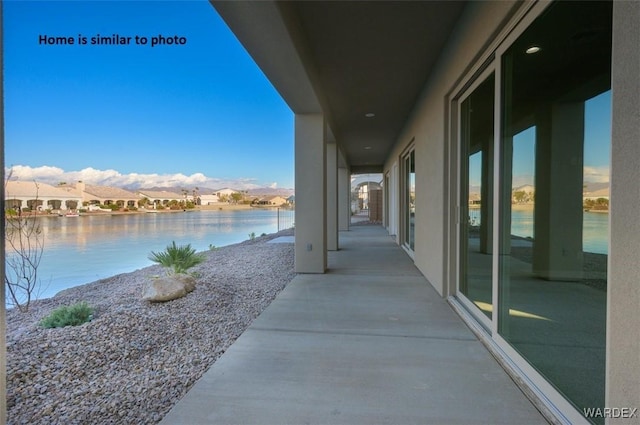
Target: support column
[332,197]
[557,248]
[344,206]
[623,291]
[311,194]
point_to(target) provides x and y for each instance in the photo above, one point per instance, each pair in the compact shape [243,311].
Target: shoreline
[134,360]
[221,207]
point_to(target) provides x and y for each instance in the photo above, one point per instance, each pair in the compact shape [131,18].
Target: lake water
[595,228]
[84,249]
[87,248]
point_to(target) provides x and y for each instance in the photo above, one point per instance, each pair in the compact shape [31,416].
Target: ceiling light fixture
[533,49]
[367,148]
[369,115]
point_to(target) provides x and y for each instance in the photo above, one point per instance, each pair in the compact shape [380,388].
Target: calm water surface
[84,249]
[595,228]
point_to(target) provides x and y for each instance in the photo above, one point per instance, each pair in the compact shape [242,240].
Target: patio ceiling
[347,59]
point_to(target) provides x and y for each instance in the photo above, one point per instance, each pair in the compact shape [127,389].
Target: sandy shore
[135,360]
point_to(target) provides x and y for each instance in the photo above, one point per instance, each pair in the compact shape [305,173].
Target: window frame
[490,61]
[404,190]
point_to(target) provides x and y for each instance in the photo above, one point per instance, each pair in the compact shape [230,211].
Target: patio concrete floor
[369,342]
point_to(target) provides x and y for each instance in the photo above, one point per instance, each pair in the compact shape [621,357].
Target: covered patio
[368,342]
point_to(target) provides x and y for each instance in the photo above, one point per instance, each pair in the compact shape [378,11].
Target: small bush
[179,258]
[252,236]
[74,315]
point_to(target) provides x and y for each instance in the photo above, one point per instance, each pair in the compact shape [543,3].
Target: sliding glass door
[476,195]
[409,200]
[534,271]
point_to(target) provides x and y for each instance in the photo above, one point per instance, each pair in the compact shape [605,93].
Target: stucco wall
[427,124]
[623,296]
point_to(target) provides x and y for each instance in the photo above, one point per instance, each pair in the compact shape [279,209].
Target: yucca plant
[179,258]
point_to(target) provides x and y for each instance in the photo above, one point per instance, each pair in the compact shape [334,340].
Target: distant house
[40,196]
[160,198]
[107,195]
[291,200]
[272,201]
[475,199]
[226,191]
[226,194]
[209,199]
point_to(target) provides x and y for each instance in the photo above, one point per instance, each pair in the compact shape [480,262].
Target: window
[476,196]
[536,267]
[554,152]
[409,200]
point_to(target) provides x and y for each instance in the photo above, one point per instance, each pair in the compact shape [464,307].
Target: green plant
[74,315]
[212,247]
[179,258]
[252,236]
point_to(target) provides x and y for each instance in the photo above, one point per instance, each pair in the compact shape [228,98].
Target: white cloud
[55,175]
[22,172]
[273,185]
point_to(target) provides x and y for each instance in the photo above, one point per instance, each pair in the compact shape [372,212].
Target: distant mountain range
[588,187]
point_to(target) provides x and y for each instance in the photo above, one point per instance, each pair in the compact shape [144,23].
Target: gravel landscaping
[135,359]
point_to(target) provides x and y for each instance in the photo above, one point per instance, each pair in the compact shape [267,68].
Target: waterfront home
[209,199]
[107,195]
[161,198]
[271,200]
[225,193]
[440,97]
[40,196]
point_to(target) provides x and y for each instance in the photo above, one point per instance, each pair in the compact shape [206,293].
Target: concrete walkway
[370,342]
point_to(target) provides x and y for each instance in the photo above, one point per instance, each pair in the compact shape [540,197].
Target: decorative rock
[188,281]
[163,289]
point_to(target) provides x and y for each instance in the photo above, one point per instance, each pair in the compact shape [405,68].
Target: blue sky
[597,146]
[201,113]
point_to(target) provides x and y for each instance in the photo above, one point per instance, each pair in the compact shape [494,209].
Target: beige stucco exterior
[26,194]
[426,129]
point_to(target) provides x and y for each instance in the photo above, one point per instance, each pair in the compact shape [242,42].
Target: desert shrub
[179,258]
[252,235]
[74,315]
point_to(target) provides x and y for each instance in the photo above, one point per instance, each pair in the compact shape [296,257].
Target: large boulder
[187,280]
[168,288]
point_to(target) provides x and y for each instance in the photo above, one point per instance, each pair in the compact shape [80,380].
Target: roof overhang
[347,60]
